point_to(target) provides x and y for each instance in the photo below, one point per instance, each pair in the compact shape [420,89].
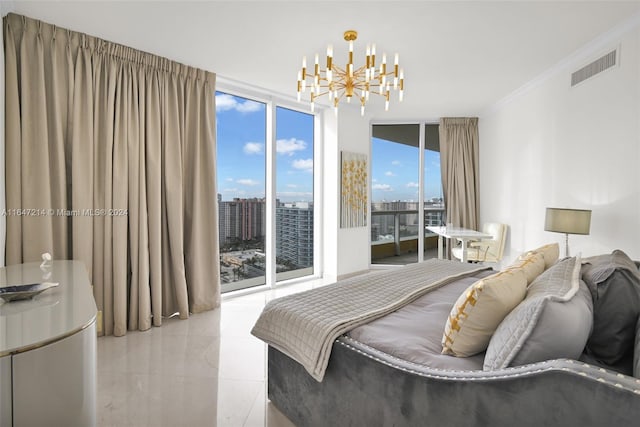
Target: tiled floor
[205,371]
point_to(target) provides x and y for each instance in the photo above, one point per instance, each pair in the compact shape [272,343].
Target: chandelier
[349,82]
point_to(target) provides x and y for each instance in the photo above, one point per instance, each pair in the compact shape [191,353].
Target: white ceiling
[459,57]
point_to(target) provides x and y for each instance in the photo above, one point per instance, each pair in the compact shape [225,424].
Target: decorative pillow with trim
[554,321]
[532,263]
[550,252]
[480,309]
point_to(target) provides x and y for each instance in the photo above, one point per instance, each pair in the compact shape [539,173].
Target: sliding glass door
[395,158]
[404,198]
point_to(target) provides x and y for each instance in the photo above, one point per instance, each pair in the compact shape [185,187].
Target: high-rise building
[241,219]
[294,233]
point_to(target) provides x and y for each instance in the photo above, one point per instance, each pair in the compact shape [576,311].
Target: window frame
[421,148]
[272,101]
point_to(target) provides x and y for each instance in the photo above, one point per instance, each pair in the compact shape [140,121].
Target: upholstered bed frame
[367,386]
[364,387]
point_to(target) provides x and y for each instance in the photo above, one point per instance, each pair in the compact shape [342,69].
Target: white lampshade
[570,221]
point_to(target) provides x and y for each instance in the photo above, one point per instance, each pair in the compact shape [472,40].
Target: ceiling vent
[596,67]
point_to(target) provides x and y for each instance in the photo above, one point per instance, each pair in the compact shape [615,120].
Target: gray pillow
[614,282]
[553,321]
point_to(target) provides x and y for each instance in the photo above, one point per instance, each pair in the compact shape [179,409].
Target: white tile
[151,352]
[235,400]
[156,400]
[207,370]
[237,321]
[243,359]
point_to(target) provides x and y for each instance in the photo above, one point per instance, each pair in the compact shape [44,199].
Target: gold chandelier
[349,82]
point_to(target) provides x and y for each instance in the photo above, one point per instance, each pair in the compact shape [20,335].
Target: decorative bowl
[20,292]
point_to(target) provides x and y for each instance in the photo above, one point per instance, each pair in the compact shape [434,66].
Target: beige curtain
[459,168]
[113,150]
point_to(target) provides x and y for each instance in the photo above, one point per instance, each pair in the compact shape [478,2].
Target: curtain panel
[110,157]
[459,166]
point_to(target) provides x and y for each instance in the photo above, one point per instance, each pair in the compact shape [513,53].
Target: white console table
[48,348]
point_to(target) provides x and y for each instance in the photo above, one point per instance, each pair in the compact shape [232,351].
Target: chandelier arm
[360,70]
[339,71]
[340,96]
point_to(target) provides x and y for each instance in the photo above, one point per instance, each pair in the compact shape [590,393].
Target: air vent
[599,65]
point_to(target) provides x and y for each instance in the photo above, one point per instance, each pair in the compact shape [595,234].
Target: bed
[387,369]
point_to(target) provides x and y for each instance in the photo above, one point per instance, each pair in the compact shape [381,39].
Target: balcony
[394,235]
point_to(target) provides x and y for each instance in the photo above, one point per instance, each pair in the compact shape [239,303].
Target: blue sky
[241,150]
[394,172]
[241,157]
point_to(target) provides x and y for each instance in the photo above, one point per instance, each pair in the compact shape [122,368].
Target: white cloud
[229,179]
[413,184]
[253,148]
[389,173]
[396,163]
[290,146]
[225,102]
[303,164]
[382,187]
[374,180]
[246,181]
[292,186]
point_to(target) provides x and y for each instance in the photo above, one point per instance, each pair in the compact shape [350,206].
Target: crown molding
[605,40]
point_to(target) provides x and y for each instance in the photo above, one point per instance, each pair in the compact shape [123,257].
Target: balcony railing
[395,232]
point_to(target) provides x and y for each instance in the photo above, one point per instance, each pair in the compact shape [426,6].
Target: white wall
[353,243]
[556,146]
[330,207]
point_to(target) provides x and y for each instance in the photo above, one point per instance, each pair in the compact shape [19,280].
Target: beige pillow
[532,263]
[550,252]
[480,309]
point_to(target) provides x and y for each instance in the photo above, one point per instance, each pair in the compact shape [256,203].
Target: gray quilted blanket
[305,325]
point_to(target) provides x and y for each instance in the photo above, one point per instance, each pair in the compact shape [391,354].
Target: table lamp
[567,221]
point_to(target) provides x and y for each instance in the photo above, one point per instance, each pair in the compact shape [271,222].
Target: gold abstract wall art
[354,190]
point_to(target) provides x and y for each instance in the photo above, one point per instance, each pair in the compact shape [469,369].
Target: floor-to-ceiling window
[241,140]
[294,194]
[260,193]
[406,191]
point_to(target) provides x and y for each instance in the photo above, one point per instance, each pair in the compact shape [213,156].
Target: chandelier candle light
[350,82]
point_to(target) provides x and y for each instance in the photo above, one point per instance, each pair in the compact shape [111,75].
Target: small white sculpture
[46,260]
